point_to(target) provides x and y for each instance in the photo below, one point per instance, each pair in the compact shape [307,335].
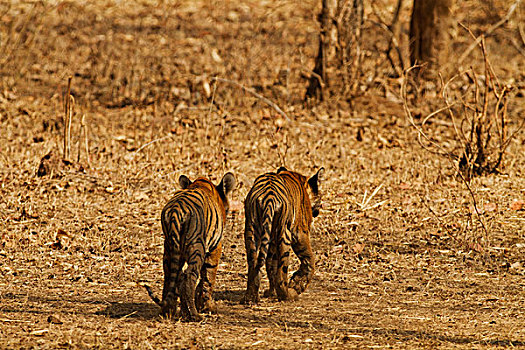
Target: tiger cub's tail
[152,295]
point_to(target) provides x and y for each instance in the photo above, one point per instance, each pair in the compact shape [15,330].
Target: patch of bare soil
[402,258]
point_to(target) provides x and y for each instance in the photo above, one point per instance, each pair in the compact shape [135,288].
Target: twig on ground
[67,120]
[9,320]
[128,315]
[425,202]
[149,143]
[212,104]
[307,74]
[521,31]
[83,130]
[364,205]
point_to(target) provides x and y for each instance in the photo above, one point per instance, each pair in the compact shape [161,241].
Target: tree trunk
[429,29]
[338,60]
[327,50]
[350,24]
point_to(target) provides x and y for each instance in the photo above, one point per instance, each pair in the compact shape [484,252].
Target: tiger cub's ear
[228,183]
[281,169]
[184,182]
[314,181]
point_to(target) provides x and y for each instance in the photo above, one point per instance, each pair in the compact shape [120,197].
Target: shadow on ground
[233,296]
[144,311]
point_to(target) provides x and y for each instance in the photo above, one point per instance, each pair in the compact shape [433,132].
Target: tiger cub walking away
[279,211]
[193,222]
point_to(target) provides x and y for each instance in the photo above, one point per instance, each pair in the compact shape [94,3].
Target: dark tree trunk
[429,29]
[339,56]
[326,52]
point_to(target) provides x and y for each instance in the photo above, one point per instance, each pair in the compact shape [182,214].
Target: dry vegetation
[403,260]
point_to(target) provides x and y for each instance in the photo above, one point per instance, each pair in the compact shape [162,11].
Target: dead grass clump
[51,165]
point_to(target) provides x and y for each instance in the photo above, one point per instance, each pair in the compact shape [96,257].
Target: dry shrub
[478,134]
[483,127]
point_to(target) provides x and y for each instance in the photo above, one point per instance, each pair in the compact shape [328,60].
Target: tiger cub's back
[193,213]
[279,210]
[192,223]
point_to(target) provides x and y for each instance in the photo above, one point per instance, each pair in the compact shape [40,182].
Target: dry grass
[406,266]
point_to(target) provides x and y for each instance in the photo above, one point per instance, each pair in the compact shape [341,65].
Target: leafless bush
[478,113]
[483,128]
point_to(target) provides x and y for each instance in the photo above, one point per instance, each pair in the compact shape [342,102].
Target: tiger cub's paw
[192,318]
[292,294]
[169,312]
[298,283]
[209,306]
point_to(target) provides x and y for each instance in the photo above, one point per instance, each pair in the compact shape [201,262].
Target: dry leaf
[62,234]
[358,248]
[215,56]
[54,245]
[490,207]
[280,122]
[178,130]
[53,319]
[337,249]
[404,186]
[261,331]
[123,138]
[476,210]
[518,205]
[476,247]
[207,89]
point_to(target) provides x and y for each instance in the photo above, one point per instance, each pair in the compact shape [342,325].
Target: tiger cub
[279,211]
[193,222]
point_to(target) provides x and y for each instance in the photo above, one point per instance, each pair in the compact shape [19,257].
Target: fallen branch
[251,91]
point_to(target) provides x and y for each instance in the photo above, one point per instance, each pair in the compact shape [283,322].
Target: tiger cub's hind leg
[204,295]
[271,269]
[172,272]
[281,276]
[254,278]
[302,277]
[189,280]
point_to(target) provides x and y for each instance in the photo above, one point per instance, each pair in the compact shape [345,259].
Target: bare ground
[411,268]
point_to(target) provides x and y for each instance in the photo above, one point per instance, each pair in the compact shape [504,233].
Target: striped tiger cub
[279,211]
[193,222]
